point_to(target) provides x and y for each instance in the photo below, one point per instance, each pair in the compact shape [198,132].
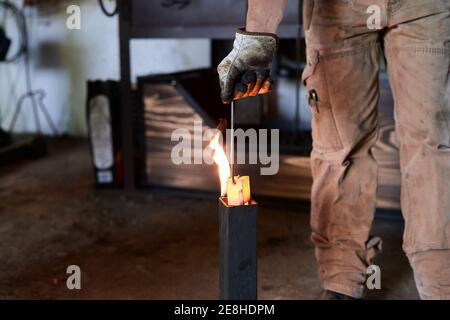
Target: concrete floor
[148,246]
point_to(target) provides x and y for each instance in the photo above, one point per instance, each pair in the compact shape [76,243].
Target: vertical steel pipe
[238,258]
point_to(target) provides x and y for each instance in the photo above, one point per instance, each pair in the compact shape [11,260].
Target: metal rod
[232,142]
[237,247]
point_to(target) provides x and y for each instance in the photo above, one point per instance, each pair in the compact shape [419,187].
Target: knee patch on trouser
[432,273]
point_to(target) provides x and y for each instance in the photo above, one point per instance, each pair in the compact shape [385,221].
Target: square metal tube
[237,247]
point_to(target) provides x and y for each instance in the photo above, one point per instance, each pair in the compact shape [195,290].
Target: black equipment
[5,43]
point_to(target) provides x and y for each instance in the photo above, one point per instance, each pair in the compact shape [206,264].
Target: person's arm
[265,15]
[245,72]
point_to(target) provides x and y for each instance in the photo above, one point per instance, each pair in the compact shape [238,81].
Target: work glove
[245,72]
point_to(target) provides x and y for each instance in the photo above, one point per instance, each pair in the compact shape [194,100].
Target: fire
[220,158]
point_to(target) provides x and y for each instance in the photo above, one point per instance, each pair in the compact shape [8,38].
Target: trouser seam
[421,247]
[437,297]
[432,50]
[329,54]
[355,291]
[346,47]
[393,14]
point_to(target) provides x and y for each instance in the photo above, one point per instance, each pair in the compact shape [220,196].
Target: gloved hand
[246,70]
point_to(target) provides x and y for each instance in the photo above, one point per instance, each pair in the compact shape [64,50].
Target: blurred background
[62,59]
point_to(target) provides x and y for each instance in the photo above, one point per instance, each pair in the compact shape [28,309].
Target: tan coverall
[342,68]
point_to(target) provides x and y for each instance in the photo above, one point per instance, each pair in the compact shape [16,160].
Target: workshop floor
[147,246]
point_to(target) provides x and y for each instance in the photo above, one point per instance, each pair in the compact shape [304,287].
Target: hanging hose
[36,96]
[21,25]
[106,12]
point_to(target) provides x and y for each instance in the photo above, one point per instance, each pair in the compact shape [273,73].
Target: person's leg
[418,52]
[342,79]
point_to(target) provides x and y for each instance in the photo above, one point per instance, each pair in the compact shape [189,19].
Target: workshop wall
[62,60]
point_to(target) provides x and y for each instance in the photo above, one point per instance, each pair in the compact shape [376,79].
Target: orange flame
[221,160]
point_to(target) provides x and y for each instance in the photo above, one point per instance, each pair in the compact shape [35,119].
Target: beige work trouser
[341,75]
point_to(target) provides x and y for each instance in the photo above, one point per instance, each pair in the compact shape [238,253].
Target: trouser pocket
[324,129]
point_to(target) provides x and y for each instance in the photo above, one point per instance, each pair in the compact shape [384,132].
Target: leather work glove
[245,72]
